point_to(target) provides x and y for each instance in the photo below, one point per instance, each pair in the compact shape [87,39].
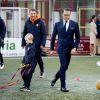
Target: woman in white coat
[93,32]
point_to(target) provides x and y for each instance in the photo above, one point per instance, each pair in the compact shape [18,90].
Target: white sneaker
[42,74]
[25,89]
[2,66]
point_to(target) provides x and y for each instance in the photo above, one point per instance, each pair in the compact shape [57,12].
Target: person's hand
[22,65]
[51,52]
[73,51]
[41,47]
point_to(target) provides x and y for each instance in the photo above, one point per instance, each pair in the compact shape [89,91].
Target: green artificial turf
[84,89]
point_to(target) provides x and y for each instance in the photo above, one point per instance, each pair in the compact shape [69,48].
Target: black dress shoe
[53,82]
[64,90]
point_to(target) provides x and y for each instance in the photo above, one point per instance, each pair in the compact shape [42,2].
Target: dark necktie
[65,25]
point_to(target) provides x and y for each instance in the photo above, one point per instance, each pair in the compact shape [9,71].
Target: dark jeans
[40,61]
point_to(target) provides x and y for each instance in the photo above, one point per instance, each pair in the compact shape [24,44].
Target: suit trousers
[64,63]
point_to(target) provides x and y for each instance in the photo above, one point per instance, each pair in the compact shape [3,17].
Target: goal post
[14,18]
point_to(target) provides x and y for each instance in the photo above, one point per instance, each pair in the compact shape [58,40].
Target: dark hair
[65,9]
[34,10]
[93,16]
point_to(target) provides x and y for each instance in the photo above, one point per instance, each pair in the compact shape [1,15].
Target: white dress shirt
[67,24]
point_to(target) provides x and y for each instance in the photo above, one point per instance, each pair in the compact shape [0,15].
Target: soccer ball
[98,85]
[98,63]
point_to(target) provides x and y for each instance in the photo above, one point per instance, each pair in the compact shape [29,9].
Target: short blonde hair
[29,36]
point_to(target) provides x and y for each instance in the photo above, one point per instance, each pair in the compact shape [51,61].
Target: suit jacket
[2,28]
[65,39]
[2,32]
[98,29]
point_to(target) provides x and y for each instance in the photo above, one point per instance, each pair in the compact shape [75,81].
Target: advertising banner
[12,47]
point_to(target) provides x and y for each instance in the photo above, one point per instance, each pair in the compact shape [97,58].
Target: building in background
[50,11]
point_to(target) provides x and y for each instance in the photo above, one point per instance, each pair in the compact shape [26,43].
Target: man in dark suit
[35,25]
[2,36]
[66,30]
[98,34]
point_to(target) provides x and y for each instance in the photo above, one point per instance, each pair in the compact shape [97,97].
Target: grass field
[83,67]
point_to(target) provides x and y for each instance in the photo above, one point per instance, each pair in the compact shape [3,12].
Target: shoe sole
[2,67]
[24,90]
[41,76]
